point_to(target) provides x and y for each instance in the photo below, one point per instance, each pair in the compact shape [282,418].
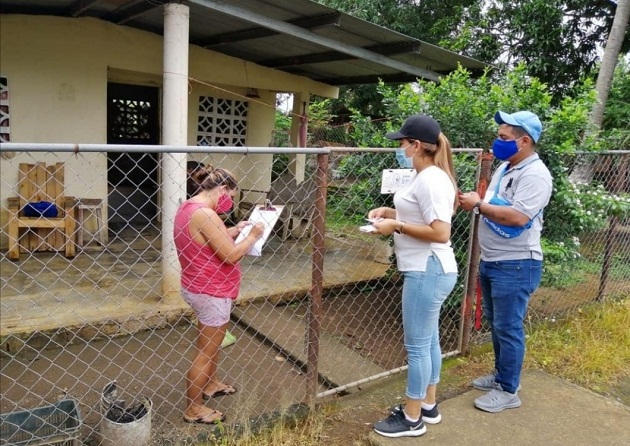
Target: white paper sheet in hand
[394,179]
[369,228]
[268,216]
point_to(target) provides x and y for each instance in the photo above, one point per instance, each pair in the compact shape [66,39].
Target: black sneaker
[431,416]
[428,416]
[396,425]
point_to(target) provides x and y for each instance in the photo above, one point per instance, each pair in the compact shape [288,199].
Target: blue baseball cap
[525,119]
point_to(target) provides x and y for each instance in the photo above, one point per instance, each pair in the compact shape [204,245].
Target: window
[5,130]
[221,122]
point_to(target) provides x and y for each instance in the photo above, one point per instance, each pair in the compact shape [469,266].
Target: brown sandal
[227,390]
[209,418]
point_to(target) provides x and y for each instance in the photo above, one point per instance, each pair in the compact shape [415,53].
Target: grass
[339,224]
[619,266]
[590,347]
[565,275]
[295,427]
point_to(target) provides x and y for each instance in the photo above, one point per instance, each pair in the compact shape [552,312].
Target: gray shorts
[211,311]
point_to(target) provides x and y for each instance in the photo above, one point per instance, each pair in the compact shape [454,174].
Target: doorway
[132,177]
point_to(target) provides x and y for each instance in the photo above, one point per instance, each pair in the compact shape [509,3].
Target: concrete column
[299,130]
[174,132]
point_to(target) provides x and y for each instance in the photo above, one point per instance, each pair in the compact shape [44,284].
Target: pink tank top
[202,271]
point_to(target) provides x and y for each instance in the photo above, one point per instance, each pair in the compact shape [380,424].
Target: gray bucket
[122,425]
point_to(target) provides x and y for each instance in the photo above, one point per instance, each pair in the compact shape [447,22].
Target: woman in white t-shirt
[421,223]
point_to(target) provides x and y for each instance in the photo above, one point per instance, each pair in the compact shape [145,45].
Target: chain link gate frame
[286,352]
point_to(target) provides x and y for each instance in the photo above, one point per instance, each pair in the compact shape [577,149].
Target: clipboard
[268,214]
[394,179]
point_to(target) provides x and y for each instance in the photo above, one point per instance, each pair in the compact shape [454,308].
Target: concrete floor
[554,412]
[116,290]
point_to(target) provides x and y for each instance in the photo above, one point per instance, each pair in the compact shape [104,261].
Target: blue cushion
[40,209]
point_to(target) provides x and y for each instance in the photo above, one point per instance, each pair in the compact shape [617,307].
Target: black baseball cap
[421,127]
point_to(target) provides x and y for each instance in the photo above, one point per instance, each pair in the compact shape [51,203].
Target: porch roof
[300,37]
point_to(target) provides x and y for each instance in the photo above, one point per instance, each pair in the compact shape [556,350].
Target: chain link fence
[589,260]
[318,313]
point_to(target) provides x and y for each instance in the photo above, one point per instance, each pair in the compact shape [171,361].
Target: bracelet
[400,228]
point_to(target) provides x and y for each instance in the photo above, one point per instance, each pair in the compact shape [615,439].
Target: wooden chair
[38,182]
[298,201]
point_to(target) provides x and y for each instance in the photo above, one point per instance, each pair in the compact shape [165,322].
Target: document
[394,179]
[268,214]
[370,227]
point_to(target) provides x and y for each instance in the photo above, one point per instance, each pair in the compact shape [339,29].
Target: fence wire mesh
[71,322]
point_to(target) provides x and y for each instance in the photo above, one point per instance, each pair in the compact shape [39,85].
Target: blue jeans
[506,287]
[422,297]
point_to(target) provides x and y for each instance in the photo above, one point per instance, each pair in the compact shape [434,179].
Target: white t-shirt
[429,196]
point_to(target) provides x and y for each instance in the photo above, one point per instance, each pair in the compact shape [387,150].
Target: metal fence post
[318,240]
[473,258]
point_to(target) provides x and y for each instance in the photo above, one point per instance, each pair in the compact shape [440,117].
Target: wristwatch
[477,207]
[399,227]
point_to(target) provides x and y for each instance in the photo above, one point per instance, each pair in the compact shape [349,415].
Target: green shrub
[465,107]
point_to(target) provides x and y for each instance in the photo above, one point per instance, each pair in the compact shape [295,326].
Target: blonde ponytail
[443,158]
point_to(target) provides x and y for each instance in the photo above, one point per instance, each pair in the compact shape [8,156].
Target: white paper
[367,228]
[394,179]
[268,215]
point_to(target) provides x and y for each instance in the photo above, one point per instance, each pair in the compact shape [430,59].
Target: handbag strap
[496,190]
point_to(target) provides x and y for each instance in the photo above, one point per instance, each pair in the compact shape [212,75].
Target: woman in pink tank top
[211,278]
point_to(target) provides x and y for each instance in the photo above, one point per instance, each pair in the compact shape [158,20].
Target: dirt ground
[154,363]
[370,322]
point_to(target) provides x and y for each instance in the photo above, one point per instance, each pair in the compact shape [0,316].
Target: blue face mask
[404,161]
[504,150]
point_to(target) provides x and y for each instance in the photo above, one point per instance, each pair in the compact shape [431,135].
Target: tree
[609,60]
[429,21]
[557,39]
[465,108]
[617,111]
[424,20]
